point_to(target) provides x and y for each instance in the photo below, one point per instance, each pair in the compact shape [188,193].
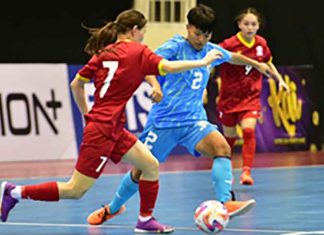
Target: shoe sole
[142,231]
[3,185]
[249,205]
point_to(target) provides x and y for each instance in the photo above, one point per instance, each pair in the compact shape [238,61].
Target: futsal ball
[211,217]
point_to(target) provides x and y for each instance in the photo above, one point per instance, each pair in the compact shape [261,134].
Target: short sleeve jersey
[117,72]
[241,85]
[182,92]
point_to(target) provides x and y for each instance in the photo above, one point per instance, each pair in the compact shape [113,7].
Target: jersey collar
[244,42]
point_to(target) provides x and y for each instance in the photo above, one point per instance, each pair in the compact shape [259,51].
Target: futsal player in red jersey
[240,90]
[118,66]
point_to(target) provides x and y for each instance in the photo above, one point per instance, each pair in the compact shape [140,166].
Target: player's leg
[204,138]
[207,140]
[160,142]
[141,158]
[137,154]
[50,191]
[229,122]
[248,124]
[230,135]
[81,181]
[126,189]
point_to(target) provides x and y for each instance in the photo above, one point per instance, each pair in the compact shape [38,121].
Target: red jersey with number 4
[117,73]
[241,85]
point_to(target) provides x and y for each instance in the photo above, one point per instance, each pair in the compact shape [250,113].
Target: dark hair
[202,17]
[101,37]
[249,10]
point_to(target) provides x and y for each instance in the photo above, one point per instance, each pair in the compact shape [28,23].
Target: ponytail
[100,38]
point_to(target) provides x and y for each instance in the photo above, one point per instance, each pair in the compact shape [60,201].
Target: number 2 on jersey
[112,66]
[196,82]
[150,139]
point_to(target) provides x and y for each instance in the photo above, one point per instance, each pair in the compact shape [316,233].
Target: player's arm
[77,87]
[239,59]
[282,83]
[157,94]
[166,66]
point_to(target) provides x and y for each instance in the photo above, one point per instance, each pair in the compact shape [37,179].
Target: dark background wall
[51,32]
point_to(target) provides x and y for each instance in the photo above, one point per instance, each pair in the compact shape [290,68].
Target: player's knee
[223,149]
[152,166]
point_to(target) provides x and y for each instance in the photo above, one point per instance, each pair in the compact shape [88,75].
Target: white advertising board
[35,113]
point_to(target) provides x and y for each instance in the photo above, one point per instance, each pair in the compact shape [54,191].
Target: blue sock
[127,188]
[222,178]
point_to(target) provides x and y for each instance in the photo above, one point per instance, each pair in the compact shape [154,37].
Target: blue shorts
[161,141]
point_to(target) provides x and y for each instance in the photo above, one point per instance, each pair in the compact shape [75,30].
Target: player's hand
[283,85]
[157,94]
[264,69]
[213,55]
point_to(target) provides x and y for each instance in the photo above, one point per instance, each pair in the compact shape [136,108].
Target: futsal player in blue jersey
[180,118]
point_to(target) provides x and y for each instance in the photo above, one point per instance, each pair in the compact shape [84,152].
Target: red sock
[148,191]
[231,141]
[41,192]
[248,148]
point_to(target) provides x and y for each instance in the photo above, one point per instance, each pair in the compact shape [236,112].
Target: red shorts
[231,119]
[96,149]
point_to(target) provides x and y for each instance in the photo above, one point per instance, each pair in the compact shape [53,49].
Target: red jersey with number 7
[117,73]
[241,85]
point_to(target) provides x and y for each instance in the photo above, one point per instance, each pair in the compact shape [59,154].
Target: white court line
[125,226]
[304,233]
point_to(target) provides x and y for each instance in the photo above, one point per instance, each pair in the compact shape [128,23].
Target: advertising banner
[289,121]
[35,113]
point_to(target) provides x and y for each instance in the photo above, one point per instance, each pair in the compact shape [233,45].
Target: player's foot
[246,177]
[236,208]
[103,214]
[152,226]
[7,202]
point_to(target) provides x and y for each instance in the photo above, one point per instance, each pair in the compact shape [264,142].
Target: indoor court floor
[288,190]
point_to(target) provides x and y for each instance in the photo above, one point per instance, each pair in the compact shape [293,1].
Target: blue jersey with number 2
[182,92]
